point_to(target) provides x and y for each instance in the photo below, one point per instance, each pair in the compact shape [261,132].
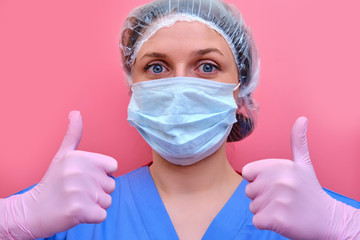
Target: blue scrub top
[137,212]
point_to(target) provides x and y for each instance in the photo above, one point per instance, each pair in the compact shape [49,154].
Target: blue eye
[155,68]
[208,68]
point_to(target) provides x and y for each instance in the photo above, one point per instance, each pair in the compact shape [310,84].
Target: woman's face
[186,49]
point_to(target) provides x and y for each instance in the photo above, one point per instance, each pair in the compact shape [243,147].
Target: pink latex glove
[288,199]
[75,189]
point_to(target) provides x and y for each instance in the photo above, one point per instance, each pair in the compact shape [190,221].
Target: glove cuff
[345,223]
[351,222]
[13,224]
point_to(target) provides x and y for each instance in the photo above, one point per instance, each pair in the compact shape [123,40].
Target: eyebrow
[200,52]
[154,55]
[205,51]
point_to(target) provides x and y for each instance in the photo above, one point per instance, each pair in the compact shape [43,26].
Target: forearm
[13,224]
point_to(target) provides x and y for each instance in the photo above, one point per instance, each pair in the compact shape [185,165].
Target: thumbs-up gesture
[288,199]
[75,189]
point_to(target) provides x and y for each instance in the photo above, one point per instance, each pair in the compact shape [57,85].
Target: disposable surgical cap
[144,21]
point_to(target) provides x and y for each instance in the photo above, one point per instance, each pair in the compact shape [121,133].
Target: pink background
[56,56]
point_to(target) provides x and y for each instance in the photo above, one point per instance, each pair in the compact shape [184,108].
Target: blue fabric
[137,212]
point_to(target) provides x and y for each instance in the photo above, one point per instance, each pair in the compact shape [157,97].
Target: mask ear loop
[236,87]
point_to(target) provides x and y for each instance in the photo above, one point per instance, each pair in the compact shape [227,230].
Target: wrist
[345,223]
[351,223]
[13,224]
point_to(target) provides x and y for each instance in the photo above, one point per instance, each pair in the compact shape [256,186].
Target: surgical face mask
[183,119]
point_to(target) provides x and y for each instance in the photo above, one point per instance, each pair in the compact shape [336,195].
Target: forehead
[184,36]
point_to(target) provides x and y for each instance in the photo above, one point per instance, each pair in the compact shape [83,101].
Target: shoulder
[125,181]
[137,173]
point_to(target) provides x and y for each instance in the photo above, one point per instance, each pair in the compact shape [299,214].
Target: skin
[190,49]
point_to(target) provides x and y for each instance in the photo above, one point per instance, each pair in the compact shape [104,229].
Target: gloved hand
[288,199]
[75,189]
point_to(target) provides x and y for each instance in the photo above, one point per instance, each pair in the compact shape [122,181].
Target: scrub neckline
[157,221]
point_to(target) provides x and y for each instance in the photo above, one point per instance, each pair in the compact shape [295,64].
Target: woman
[192,68]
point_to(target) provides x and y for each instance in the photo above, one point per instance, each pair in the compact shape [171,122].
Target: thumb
[299,145]
[73,135]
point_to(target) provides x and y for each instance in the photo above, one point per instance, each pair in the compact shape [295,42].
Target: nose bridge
[181,70]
